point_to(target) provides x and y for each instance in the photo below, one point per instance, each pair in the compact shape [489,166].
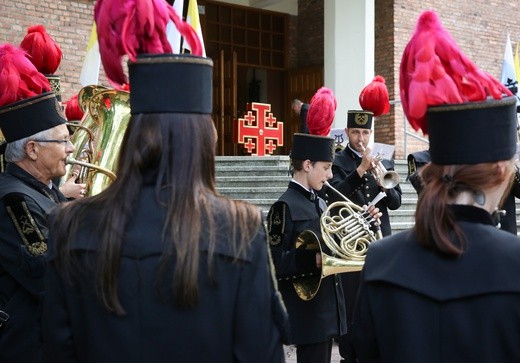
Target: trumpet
[384,178]
[347,235]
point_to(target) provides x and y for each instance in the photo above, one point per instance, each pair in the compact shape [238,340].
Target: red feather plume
[434,71]
[374,97]
[19,78]
[43,51]
[132,27]
[321,112]
[72,110]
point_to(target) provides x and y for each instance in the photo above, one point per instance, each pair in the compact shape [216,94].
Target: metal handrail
[406,132]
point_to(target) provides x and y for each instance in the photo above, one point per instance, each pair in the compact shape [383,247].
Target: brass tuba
[347,234]
[98,137]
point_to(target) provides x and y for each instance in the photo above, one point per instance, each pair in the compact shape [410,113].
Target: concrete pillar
[349,52]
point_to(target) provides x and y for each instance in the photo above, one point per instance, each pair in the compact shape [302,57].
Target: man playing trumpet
[352,170]
[354,177]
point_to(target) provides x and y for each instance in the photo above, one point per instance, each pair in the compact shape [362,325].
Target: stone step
[274,160]
[408,202]
[261,181]
[253,192]
[251,170]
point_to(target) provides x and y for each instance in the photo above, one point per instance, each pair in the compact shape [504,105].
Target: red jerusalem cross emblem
[258,131]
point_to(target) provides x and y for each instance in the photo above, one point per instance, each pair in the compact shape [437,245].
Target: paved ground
[290,354]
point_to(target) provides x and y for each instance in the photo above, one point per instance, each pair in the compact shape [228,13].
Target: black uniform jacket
[362,191]
[24,202]
[416,306]
[322,317]
[233,322]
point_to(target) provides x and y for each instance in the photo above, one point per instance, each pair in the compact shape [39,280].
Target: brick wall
[67,21]
[310,28]
[384,126]
[479,27]
[292,61]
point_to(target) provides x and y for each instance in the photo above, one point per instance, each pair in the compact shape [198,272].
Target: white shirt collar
[307,189]
[355,151]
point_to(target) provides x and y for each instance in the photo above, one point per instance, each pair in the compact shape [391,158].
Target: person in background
[73,190]
[159,266]
[353,169]
[353,177]
[301,109]
[37,145]
[416,161]
[445,290]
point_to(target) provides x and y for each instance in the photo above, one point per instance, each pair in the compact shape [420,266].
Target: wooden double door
[233,88]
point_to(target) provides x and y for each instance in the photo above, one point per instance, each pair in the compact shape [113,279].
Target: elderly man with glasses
[37,146]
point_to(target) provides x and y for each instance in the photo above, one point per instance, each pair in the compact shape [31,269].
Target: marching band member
[315,322]
[37,146]
[158,267]
[352,177]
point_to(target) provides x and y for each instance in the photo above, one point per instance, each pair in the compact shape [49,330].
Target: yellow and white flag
[172,33]
[193,19]
[517,64]
[90,71]
[508,76]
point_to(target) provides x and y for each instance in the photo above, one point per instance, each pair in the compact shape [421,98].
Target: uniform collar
[354,152]
[52,193]
[468,213]
[23,175]
[309,194]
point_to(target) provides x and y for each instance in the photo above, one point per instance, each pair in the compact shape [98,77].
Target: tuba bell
[98,137]
[347,235]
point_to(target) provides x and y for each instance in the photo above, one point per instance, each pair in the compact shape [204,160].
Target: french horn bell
[346,233]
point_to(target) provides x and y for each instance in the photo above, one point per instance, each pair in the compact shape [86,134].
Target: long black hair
[179,151]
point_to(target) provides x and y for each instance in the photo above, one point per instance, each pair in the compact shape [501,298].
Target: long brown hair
[435,224]
[178,150]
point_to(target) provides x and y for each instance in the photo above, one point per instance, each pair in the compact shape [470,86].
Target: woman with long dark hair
[447,290]
[159,267]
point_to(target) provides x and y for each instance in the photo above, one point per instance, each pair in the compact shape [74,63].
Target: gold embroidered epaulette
[412,167]
[276,224]
[29,232]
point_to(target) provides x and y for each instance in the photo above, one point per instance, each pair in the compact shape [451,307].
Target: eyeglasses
[64,142]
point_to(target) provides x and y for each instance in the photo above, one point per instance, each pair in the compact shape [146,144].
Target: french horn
[346,233]
[98,137]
